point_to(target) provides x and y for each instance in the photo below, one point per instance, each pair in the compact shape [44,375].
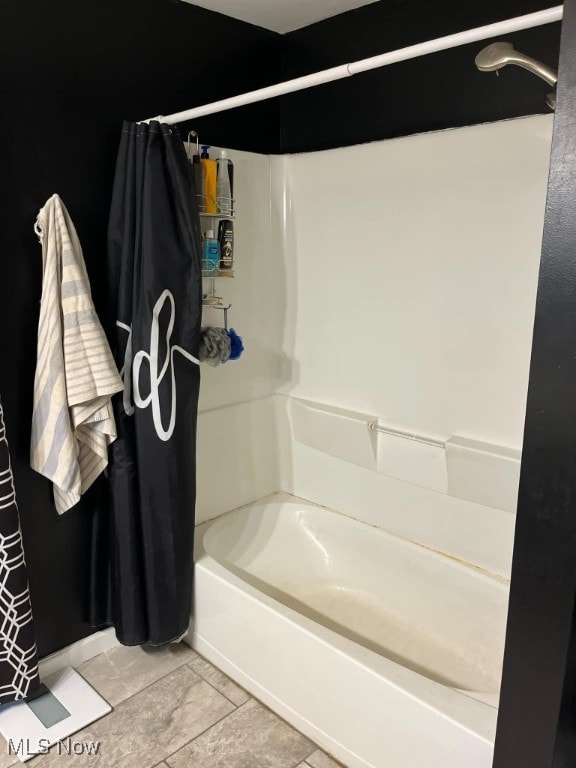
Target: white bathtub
[383,652]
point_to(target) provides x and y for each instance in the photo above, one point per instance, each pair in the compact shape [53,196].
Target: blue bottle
[211,260]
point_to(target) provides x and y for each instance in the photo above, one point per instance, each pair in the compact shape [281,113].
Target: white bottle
[223,190]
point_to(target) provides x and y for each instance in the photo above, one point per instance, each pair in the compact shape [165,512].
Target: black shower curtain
[155,293]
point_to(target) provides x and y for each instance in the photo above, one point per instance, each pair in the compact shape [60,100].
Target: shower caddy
[210,272]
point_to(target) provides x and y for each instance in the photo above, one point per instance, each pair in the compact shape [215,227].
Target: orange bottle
[210,173]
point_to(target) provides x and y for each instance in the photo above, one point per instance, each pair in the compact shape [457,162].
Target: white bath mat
[70,704]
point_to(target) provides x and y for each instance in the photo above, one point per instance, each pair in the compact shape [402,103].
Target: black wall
[537,711]
[71,71]
[442,90]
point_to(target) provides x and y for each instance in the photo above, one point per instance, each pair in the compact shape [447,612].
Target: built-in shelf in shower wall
[483,473]
[336,431]
[471,532]
[459,466]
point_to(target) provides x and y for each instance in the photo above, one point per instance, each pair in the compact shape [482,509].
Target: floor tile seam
[216,689]
[141,690]
[221,720]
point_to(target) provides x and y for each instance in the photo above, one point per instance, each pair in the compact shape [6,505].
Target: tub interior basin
[437,616]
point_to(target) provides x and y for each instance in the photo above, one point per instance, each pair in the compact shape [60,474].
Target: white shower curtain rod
[516,24]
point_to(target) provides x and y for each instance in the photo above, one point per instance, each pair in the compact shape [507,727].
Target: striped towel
[73,422]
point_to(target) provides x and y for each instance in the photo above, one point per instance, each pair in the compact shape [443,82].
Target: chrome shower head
[498,55]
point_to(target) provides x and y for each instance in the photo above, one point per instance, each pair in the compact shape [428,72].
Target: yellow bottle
[210,174]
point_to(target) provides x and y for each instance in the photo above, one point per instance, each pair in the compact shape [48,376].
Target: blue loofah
[236,345]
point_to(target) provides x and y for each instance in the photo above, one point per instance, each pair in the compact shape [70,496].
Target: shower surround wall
[236,457]
[410,269]
[398,282]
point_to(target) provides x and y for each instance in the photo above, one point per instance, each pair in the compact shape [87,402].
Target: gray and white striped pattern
[73,422]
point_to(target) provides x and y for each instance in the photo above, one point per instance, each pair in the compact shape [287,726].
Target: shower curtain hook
[195,135]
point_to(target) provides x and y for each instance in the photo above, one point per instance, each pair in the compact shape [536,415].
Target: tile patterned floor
[172,709]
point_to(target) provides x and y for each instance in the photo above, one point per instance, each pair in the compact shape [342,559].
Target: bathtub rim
[450,561]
